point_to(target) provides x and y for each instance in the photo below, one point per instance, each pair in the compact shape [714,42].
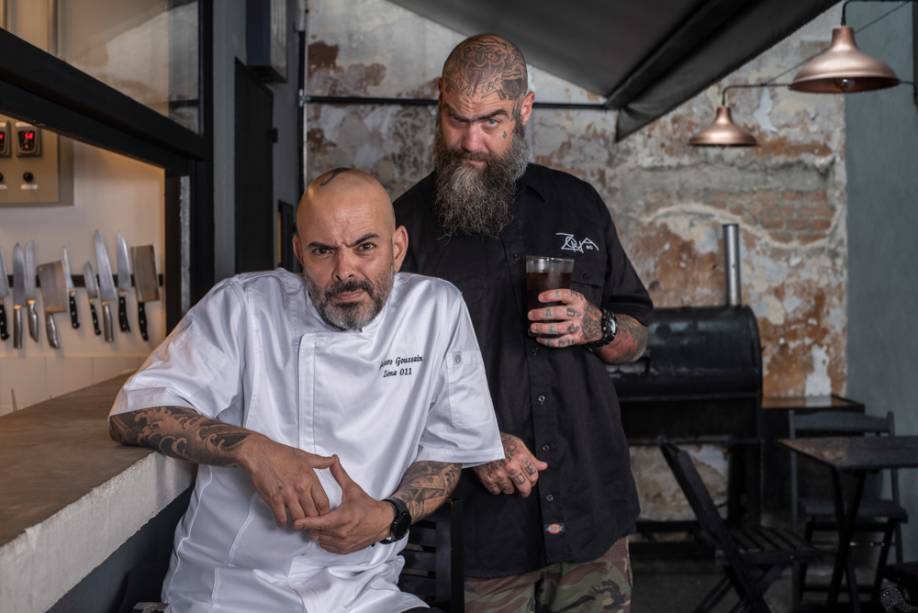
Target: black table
[855,456]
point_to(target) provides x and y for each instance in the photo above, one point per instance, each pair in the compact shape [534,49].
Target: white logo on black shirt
[577,246]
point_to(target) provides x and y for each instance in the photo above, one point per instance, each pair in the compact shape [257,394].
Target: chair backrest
[433,559]
[699,499]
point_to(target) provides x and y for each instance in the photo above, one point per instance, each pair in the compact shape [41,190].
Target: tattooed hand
[574,321]
[357,523]
[518,472]
[285,478]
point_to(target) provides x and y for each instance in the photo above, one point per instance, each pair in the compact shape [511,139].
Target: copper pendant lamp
[843,69]
[723,133]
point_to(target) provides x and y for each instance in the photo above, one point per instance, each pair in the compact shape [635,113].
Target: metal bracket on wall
[383,101]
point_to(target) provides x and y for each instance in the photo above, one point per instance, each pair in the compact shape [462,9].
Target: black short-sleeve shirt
[560,402]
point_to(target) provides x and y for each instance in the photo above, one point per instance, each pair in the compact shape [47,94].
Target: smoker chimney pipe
[732,264]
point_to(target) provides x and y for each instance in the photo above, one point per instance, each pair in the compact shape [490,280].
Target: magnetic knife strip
[78,280]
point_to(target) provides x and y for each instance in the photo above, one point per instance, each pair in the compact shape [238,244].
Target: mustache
[471,155]
[350,285]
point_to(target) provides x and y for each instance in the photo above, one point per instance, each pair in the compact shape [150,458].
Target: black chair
[433,559]
[876,515]
[752,558]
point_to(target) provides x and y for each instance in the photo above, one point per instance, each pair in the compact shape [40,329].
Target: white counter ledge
[70,496]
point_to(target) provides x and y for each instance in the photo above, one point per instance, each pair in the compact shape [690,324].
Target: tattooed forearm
[181,433]
[629,344]
[426,486]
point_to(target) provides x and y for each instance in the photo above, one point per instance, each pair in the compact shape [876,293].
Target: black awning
[644,57]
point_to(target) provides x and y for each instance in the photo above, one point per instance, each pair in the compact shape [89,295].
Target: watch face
[401,524]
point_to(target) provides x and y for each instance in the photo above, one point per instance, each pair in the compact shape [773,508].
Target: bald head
[486,65]
[348,245]
[345,189]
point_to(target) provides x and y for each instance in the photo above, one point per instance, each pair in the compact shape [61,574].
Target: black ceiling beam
[31,69]
[703,23]
[27,106]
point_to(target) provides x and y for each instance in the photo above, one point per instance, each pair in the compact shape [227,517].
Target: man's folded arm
[284,476]
[427,485]
[181,433]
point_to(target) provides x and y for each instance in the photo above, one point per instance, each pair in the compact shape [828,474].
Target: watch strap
[609,329]
[400,523]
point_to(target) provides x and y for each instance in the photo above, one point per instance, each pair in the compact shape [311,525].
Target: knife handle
[3,333]
[53,337]
[95,317]
[18,331]
[107,326]
[74,316]
[33,320]
[142,321]
[122,315]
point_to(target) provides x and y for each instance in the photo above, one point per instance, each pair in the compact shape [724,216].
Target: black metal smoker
[700,382]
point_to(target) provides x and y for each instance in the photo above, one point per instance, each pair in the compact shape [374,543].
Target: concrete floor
[678,586]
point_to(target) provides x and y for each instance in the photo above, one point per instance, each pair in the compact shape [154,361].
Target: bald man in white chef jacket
[326,411]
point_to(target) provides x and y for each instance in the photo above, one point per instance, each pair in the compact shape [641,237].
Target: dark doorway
[255,136]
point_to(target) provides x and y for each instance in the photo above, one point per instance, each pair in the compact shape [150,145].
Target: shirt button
[546,447]
[550,498]
[541,399]
[534,351]
[516,257]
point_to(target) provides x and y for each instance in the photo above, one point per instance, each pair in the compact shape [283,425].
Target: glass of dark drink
[543,274]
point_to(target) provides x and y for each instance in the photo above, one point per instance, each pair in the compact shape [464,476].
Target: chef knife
[4,292]
[71,292]
[106,287]
[53,296]
[30,293]
[18,295]
[92,292]
[124,282]
[145,283]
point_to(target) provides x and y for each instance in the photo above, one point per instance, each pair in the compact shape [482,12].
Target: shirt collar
[532,181]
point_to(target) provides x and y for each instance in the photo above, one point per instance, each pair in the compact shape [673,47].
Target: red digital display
[27,141]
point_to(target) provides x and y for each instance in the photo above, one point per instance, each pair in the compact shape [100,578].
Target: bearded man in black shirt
[546,528]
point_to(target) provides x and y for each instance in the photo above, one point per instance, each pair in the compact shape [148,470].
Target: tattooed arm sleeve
[426,486]
[181,433]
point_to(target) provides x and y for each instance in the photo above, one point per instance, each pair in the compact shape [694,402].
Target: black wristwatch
[400,524]
[609,328]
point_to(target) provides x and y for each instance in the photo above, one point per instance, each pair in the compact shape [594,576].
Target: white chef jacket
[254,352]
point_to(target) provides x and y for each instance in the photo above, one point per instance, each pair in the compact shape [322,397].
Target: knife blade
[71,292]
[31,296]
[146,284]
[92,292]
[4,292]
[18,295]
[106,287]
[124,282]
[54,297]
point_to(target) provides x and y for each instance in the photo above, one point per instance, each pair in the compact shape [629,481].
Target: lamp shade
[723,133]
[843,69]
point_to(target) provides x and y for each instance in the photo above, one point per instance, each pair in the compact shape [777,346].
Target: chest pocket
[589,278]
[473,289]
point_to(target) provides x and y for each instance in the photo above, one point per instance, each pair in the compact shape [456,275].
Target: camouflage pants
[603,585]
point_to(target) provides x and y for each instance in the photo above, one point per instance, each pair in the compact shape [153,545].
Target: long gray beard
[476,201]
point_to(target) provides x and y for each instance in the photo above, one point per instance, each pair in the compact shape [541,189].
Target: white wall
[114,194]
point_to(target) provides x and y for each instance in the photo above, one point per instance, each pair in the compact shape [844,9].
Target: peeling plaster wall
[669,200]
